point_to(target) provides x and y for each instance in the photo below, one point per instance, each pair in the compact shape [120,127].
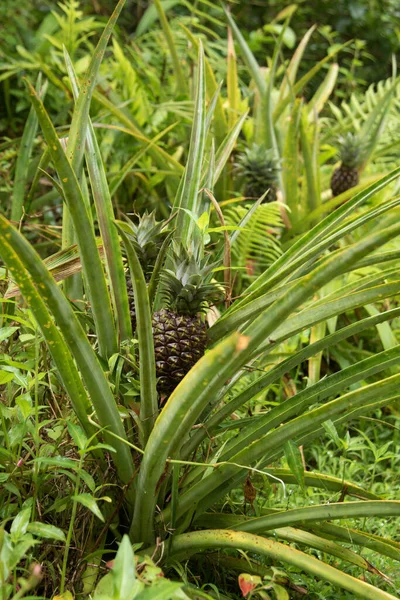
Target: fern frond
[259,240]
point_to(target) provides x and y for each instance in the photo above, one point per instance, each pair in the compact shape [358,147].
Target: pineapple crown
[259,163]
[147,236]
[187,286]
[351,150]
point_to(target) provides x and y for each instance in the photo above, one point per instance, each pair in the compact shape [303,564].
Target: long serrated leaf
[188,199]
[292,163]
[327,512]
[180,78]
[184,405]
[220,120]
[148,391]
[187,544]
[91,263]
[77,132]
[301,83]
[22,164]
[225,149]
[105,216]
[312,239]
[323,92]
[279,370]
[291,72]
[247,54]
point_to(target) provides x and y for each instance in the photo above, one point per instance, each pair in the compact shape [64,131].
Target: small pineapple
[260,168]
[347,175]
[147,236]
[179,333]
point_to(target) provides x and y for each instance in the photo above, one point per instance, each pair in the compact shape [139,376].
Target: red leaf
[247,583]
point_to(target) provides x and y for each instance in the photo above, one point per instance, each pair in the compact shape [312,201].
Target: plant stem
[71,528]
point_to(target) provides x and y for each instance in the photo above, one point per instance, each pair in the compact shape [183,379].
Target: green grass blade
[128,167]
[105,216]
[269,136]
[92,267]
[233,89]
[150,16]
[22,164]
[180,77]
[148,392]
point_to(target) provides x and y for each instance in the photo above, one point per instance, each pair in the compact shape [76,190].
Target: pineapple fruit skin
[343,178]
[256,190]
[260,169]
[179,342]
[351,153]
[131,300]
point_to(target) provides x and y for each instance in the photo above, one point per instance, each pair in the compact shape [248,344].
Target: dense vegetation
[199,243]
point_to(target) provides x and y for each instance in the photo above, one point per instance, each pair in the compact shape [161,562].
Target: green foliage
[277,447]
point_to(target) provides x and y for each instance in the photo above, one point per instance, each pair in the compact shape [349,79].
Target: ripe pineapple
[260,169]
[347,174]
[179,333]
[147,237]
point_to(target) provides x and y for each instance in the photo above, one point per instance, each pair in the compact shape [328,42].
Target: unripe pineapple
[147,236]
[179,332]
[260,168]
[347,174]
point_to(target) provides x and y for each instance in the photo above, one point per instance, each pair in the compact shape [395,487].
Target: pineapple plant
[147,236]
[179,329]
[347,175]
[259,167]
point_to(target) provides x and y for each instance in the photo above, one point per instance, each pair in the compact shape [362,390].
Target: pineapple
[147,237]
[347,175]
[260,169]
[179,332]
